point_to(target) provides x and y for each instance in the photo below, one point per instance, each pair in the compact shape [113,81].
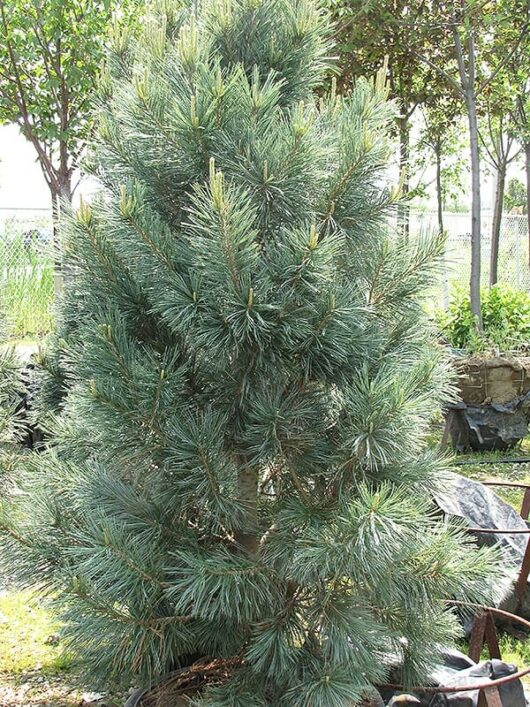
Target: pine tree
[11,423]
[240,467]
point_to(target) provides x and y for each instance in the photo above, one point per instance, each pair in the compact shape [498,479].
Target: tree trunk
[474,281]
[497,219]
[404,155]
[527,170]
[62,195]
[247,535]
[467,85]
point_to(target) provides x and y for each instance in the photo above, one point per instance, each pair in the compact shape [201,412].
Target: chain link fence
[513,263]
[26,273]
[27,263]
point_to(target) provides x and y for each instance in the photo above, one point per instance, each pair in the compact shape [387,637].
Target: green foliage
[515,196]
[239,467]
[11,425]
[371,35]
[506,316]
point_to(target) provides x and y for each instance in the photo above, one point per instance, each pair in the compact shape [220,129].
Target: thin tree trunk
[439,193]
[467,81]
[404,156]
[440,206]
[474,281]
[496,226]
[62,195]
[527,170]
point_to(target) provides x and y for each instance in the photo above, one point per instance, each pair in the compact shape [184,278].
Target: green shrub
[506,317]
[515,196]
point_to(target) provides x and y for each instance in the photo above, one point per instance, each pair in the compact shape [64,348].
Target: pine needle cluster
[11,421]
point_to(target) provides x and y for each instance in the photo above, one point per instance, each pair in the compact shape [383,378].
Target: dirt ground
[35,690]
[34,671]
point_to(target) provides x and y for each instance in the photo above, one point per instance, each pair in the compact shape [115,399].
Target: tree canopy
[51,55]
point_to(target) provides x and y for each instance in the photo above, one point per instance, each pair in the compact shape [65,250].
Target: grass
[35,671]
[26,282]
[26,630]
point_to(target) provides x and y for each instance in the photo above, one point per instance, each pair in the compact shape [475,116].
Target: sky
[22,185]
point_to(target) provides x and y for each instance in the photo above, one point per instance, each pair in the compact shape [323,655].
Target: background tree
[464,31]
[519,94]
[506,53]
[50,57]
[521,117]
[459,25]
[371,35]
[241,469]
[441,137]
[500,147]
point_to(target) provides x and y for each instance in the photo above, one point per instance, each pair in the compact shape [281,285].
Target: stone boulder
[488,427]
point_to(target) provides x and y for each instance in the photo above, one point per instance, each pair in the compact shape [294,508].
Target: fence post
[517,257]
